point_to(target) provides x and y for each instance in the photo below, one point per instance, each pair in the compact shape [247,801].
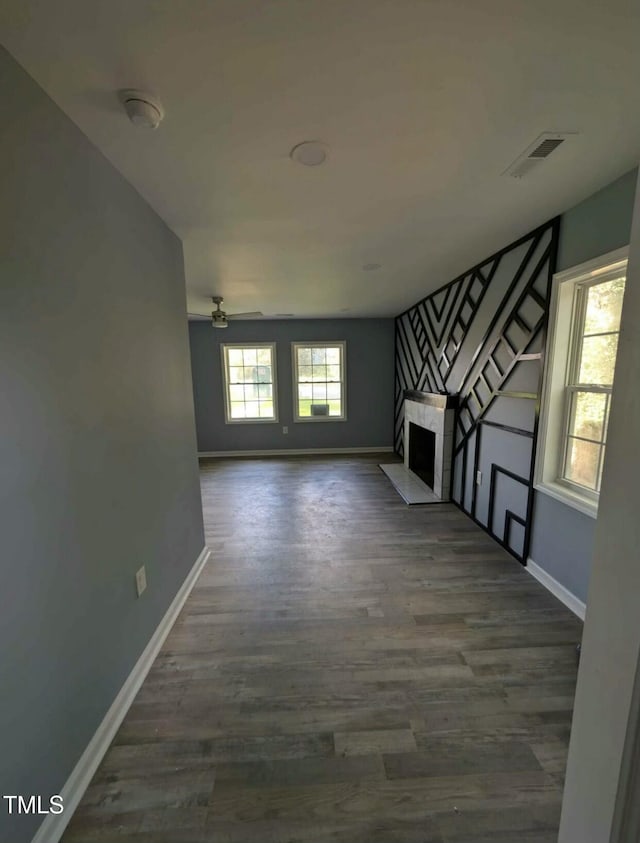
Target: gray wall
[97,445]
[370,372]
[562,537]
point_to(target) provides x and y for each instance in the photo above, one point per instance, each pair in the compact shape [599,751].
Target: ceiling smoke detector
[143,109]
[536,153]
[310,153]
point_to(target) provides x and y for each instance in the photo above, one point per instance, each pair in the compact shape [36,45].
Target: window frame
[343,380]
[566,320]
[226,383]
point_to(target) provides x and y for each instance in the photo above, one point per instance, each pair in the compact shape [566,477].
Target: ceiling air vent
[536,153]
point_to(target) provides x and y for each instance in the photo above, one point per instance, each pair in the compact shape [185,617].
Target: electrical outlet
[141,580]
[285,429]
[478,478]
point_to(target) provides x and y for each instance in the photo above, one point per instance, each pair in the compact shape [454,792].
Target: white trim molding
[557,589]
[296,452]
[73,790]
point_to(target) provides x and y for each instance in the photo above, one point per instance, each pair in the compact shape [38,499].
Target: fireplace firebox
[422,452]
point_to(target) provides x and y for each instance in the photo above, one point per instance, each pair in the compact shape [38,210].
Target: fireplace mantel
[434,399]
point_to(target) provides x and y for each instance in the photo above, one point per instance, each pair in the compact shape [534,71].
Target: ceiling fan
[220,319]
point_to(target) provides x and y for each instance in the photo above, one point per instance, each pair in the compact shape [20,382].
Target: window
[319,381]
[250,382]
[583,342]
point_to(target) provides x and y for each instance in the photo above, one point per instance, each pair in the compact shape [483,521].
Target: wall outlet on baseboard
[478,478]
[141,580]
[285,429]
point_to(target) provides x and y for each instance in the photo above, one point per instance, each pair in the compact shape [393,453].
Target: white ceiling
[423,103]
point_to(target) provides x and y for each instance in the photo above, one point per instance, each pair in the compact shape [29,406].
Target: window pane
[249,356]
[235,356]
[587,414]
[236,393]
[263,374]
[266,410]
[333,373]
[250,392]
[237,410]
[305,390]
[319,392]
[598,359]
[236,374]
[252,409]
[333,355]
[305,373]
[304,357]
[318,355]
[335,408]
[333,390]
[264,356]
[604,306]
[304,407]
[319,372]
[264,391]
[581,465]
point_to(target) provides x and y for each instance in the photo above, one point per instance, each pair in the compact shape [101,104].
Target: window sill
[251,421]
[567,496]
[320,419]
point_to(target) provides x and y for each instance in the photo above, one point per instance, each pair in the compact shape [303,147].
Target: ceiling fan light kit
[220,319]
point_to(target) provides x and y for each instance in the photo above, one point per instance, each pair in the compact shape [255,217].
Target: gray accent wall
[370,373]
[562,537]
[97,443]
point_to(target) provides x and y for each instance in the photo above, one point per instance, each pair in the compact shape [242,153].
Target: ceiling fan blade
[245,315]
[193,317]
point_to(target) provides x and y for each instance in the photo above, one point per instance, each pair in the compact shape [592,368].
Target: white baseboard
[294,452]
[557,589]
[54,825]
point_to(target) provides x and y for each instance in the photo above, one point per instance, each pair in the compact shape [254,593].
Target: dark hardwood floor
[347,669]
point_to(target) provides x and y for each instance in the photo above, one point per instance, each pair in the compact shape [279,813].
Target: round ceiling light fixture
[371,267]
[143,109]
[310,153]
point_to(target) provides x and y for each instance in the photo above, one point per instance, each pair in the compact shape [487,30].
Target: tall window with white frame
[319,382]
[250,382]
[597,309]
[586,309]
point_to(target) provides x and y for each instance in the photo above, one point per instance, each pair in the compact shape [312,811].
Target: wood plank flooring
[348,669]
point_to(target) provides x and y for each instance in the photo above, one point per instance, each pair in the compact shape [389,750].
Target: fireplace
[422,452]
[428,439]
